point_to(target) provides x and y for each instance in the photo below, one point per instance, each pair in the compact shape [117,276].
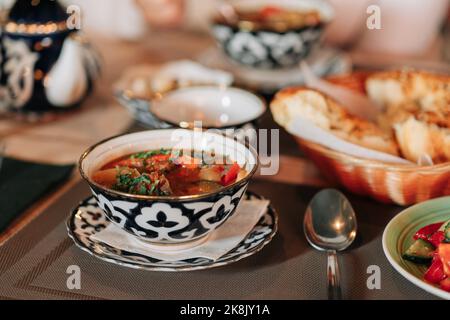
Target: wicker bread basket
[386,182]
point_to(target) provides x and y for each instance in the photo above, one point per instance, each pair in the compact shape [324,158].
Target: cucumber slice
[444,225]
[446,229]
[447,233]
[420,252]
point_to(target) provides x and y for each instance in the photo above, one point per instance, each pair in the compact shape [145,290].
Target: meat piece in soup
[169,172]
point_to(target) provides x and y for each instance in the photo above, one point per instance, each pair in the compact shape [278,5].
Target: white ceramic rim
[259,106]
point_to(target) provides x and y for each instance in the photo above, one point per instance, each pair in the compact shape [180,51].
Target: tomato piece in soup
[231,176]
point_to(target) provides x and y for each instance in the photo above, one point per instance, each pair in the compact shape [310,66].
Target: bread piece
[426,96]
[413,91]
[292,103]
[418,138]
[417,106]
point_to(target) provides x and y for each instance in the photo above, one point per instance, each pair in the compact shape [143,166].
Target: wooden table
[289,264]
[101,116]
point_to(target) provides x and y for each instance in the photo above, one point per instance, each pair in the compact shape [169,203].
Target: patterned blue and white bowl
[165,219]
[267,48]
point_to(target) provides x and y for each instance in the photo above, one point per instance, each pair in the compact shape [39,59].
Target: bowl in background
[265,48]
[215,107]
[168,219]
[232,111]
[140,85]
[218,105]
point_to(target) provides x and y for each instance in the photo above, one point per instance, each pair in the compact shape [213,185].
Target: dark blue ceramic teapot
[45,65]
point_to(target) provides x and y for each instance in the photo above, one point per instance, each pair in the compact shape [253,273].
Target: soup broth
[169,172]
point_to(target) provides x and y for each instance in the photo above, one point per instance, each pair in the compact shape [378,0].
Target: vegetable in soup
[169,172]
[275,18]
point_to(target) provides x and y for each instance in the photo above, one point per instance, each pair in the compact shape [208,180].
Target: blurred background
[119,36]
[409,27]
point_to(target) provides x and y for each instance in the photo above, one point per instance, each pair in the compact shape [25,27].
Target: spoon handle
[333,276]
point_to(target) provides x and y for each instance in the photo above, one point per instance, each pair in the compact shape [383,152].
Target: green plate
[398,236]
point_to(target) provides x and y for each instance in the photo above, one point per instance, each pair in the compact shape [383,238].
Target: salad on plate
[431,247]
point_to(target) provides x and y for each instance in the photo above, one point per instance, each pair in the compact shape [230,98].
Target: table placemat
[34,263]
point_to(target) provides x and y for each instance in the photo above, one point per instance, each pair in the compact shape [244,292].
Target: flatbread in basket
[375,159]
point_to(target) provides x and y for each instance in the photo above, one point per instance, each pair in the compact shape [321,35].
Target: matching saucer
[323,61]
[87,220]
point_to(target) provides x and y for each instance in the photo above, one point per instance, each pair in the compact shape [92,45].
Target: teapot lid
[36,17]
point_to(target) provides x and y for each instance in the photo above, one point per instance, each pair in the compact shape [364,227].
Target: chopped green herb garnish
[148,154]
[141,185]
[154,186]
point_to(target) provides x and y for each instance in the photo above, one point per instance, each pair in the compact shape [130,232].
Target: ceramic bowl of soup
[270,34]
[169,186]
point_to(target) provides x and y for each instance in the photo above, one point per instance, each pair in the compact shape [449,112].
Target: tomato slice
[435,274]
[437,238]
[444,254]
[231,175]
[425,232]
[445,284]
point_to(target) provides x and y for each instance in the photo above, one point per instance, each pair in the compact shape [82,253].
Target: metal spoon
[330,225]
